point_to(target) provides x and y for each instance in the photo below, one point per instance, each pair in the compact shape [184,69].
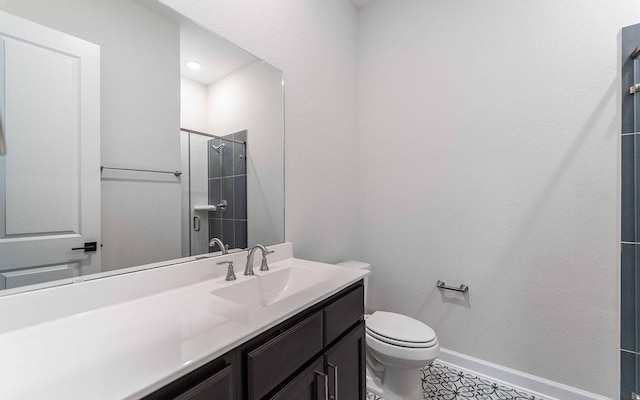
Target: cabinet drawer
[342,314]
[271,363]
[216,387]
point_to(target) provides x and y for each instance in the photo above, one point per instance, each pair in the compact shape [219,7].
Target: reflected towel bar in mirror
[176,173]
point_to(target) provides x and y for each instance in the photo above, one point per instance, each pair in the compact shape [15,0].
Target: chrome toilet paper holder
[462,288]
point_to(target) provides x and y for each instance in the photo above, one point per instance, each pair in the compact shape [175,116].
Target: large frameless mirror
[133,138]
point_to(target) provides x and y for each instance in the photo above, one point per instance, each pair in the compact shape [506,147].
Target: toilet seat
[401,343]
[400,330]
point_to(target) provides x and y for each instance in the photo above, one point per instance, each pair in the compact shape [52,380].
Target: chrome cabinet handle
[335,381]
[325,396]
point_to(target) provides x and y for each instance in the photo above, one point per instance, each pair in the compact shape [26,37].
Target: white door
[50,174]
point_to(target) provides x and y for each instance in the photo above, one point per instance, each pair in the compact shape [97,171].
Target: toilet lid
[399,328]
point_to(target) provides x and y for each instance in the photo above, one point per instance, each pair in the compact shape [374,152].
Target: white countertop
[131,348]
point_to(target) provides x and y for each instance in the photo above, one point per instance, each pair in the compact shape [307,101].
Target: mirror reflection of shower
[230,93]
[216,199]
[217,148]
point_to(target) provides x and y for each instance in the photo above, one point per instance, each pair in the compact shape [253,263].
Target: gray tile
[227,159]
[241,135]
[214,159]
[215,230]
[227,194]
[636,184]
[628,297]
[628,207]
[630,40]
[240,197]
[228,233]
[629,374]
[215,196]
[239,159]
[241,234]
[636,100]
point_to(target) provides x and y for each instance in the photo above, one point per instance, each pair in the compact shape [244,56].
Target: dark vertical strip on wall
[630,40]
[630,212]
[628,290]
[628,209]
[630,374]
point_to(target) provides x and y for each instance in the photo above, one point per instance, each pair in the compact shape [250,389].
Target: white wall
[139,49]
[193,105]
[488,139]
[314,43]
[251,99]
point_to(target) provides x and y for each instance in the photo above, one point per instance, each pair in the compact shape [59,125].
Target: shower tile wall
[228,181]
[630,226]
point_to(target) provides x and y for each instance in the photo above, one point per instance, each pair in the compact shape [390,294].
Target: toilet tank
[359,265]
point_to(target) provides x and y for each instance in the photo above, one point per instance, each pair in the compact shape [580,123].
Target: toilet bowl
[398,346]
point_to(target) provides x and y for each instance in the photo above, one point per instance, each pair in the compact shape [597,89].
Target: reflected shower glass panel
[198,194]
[214,194]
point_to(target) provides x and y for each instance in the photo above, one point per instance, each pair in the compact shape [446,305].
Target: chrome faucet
[248,270]
[223,247]
[230,275]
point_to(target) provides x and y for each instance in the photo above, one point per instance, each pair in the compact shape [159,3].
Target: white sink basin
[260,291]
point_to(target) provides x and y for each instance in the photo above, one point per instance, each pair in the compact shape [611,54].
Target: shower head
[218,148]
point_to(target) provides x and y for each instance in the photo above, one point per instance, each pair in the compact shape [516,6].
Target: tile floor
[442,382]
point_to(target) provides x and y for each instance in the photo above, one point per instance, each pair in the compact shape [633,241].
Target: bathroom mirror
[181,156]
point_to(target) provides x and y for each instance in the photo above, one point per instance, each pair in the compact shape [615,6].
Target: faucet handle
[263,265]
[231,276]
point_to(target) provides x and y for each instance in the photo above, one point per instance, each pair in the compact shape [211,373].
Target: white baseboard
[537,386]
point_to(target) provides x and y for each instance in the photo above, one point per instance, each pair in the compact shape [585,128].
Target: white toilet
[398,346]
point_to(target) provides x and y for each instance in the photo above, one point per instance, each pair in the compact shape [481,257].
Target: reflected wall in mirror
[221,127]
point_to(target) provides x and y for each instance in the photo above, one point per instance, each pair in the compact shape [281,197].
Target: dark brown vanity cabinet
[318,354]
[338,374]
[345,366]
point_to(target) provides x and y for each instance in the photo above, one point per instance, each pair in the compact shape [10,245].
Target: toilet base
[398,384]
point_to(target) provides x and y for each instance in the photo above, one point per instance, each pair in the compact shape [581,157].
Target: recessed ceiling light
[193,64]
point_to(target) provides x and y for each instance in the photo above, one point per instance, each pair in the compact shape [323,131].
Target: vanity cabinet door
[311,384]
[273,362]
[345,366]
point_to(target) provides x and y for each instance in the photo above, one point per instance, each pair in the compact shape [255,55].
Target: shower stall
[214,194]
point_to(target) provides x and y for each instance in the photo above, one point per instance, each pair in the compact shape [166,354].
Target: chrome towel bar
[462,288]
[176,173]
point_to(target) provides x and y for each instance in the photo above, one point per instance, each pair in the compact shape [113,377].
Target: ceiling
[217,56]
